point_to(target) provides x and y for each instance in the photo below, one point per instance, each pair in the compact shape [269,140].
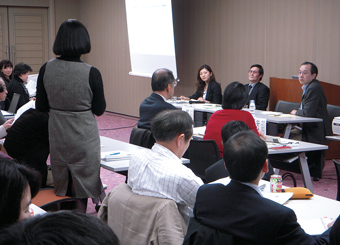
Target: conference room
[228,35]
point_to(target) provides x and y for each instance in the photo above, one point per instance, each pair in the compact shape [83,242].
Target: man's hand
[293,112]
[8,123]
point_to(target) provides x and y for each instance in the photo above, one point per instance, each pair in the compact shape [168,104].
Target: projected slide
[151,36]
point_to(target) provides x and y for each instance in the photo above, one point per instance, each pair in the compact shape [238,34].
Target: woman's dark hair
[72,40]
[14,179]
[235,96]
[21,68]
[200,84]
[5,64]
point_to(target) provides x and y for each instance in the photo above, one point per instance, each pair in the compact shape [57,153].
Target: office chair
[337,168]
[333,111]
[202,154]
[142,137]
[286,106]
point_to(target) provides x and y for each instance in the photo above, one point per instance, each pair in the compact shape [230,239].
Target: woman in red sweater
[235,96]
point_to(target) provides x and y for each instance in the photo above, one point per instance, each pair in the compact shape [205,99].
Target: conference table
[293,146]
[309,212]
[271,117]
[120,164]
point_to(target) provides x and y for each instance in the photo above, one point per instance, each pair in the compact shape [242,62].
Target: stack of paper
[115,155]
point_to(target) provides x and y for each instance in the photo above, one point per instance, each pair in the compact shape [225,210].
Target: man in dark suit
[313,104]
[163,86]
[238,209]
[257,90]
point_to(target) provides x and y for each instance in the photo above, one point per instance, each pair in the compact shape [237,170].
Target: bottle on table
[252,107]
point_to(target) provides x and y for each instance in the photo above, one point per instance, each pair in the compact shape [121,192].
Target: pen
[115,153]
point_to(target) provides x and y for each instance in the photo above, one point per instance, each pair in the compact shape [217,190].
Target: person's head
[231,128]
[204,75]
[173,126]
[18,185]
[6,67]
[63,227]
[163,81]
[245,156]
[22,71]
[255,73]
[3,90]
[235,96]
[72,40]
[308,72]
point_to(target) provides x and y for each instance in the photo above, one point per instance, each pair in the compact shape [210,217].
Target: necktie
[249,88]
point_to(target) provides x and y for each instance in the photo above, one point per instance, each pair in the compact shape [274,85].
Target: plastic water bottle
[252,107]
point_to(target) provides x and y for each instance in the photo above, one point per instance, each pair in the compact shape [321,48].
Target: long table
[299,147]
[271,116]
[108,144]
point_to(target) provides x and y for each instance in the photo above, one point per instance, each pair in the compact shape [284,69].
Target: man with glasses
[163,86]
[313,104]
[257,90]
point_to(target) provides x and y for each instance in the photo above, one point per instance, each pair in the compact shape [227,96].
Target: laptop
[12,106]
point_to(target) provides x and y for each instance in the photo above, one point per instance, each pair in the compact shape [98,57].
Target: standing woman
[208,89]
[72,91]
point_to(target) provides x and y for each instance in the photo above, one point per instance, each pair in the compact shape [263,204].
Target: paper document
[115,155]
[314,226]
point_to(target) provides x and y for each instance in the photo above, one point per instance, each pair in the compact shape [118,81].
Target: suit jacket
[314,104]
[214,93]
[150,107]
[260,94]
[239,210]
[16,86]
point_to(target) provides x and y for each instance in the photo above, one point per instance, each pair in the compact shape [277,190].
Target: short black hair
[161,78]
[235,96]
[5,64]
[313,67]
[231,128]
[14,179]
[21,68]
[63,227]
[244,155]
[72,39]
[261,71]
[166,125]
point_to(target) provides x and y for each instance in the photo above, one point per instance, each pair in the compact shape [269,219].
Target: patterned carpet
[119,127]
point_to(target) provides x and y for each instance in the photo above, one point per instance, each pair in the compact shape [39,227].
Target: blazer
[17,86]
[314,104]
[240,211]
[150,107]
[260,94]
[214,93]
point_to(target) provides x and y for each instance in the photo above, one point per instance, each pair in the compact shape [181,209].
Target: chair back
[333,111]
[286,106]
[142,137]
[202,154]
[337,168]
[140,219]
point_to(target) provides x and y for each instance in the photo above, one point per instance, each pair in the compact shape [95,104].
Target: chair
[333,111]
[286,106]
[140,219]
[337,168]
[142,137]
[202,154]
[49,201]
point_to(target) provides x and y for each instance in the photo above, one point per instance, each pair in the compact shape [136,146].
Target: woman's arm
[41,102]
[96,84]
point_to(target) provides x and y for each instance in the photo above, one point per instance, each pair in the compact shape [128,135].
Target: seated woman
[208,90]
[18,185]
[6,67]
[235,96]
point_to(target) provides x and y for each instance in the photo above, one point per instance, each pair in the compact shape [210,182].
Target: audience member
[5,124]
[27,141]
[159,171]
[63,227]
[208,90]
[163,86]
[72,92]
[313,104]
[238,209]
[17,84]
[18,185]
[235,97]
[6,67]
[257,91]
[218,169]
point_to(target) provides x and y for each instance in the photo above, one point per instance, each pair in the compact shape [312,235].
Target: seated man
[163,86]
[238,209]
[159,171]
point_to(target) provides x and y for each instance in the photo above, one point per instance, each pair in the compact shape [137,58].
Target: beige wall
[229,35]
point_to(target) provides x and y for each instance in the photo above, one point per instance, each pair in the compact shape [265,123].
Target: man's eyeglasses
[253,72]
